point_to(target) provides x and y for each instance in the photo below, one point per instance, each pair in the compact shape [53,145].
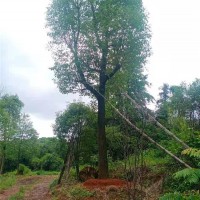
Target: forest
[115,146]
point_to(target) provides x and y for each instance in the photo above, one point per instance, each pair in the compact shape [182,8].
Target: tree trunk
[2,159]
[102,147]
[64,174]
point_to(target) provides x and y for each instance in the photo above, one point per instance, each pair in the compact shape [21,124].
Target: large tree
[92,40]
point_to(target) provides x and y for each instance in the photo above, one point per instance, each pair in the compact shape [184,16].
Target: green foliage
[51,162]
[50,145]
[78,192]
[36,163]
[172,196]
[116,141]
[192,152]
[70,122]
[152,158]
[180,196]
[6,181]
[17,135]
[42,172]
[23,170]
[189,175]
[10,108]
[113,32]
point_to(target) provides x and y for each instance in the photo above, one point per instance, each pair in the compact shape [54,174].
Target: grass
[42,172]
[19,195]
[78,192]
[71,192]
[7,181]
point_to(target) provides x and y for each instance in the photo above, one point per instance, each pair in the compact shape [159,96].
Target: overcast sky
[25,61]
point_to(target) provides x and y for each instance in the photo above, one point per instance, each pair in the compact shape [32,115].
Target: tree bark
[102,146]
[64,174]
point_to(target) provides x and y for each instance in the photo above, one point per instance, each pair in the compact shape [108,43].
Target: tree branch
[115,70]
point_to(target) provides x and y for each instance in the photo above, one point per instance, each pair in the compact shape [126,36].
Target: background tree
[92,40]
[10,108]
[72,125]
[24,138]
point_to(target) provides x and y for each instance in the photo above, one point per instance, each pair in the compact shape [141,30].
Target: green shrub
[23,170]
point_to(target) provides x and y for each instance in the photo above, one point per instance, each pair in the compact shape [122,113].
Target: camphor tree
[91,41]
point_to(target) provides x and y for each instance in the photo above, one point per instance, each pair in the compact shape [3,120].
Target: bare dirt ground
[36,188]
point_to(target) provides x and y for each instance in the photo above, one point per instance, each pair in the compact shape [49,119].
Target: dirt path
[40,191]
[36,188]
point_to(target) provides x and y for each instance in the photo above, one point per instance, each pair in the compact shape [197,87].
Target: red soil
[103,183]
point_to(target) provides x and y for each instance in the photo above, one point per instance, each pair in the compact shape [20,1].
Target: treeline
[19,142]
[179,109]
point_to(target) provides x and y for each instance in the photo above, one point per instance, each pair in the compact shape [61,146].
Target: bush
[23,170]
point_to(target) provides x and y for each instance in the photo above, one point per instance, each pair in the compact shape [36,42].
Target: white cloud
[175,41]
[43,127]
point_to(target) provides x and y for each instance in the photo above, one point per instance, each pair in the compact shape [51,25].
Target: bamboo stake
[158,123]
